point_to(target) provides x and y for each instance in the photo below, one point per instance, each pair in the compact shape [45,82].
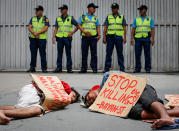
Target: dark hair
[77,95]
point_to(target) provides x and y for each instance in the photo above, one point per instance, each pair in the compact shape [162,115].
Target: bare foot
[3,119]
[162,122]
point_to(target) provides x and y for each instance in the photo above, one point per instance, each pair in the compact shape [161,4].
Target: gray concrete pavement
[74,117]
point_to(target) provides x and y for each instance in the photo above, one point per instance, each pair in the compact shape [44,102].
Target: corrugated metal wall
[15,16]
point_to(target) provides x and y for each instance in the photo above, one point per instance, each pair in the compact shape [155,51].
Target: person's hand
[152,42]
[87,34]
[104,39]
[36,35]
[91,97]
[124,40]
[132,41]
[70,34]
[98,37]
[53,40]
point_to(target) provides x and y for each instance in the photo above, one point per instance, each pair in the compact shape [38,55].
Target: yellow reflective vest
[89,25]
[142,28]
[115,25]
[38,26]
[64,28]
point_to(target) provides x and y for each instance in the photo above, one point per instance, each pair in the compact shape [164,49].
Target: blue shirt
[90,18]
[123,22]
[73,21]
[151,23]
[45,20]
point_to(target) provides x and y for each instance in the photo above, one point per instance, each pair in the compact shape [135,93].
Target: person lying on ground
[149,106]
[29,103]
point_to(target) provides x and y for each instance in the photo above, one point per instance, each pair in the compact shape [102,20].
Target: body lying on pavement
[29,103]
[149,106]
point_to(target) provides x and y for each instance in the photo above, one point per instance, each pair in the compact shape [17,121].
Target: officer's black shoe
[95,71]
[147,71]
[69,71]
[31,70]
[136,71]
[44,71]
[83,71]
[57,70]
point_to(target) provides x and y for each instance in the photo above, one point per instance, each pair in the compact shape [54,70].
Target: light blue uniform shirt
[151,23]
[90,18]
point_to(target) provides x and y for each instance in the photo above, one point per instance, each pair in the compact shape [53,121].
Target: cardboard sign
[119,94]
[173,100]
[55,95]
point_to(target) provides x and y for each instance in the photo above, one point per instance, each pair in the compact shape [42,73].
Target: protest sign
[119,94]
[55,95]
[173,100]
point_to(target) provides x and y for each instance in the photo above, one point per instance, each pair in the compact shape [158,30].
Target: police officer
[63,33]
[38,27]
[114,34]
[90,28]
[143,29]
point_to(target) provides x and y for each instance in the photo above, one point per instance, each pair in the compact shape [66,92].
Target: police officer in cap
[142,31]
[90,31]
[63,35]
[115,35]
[38,27]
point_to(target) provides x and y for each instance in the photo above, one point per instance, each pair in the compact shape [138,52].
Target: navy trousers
[139,43]
[86,43]
[61,42]
[118,42]
[36,44]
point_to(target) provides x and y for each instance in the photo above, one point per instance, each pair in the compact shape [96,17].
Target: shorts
[28,97]
[148,96]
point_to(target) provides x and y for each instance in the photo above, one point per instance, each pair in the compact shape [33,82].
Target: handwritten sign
[119,94]
[55,95]
[173,100]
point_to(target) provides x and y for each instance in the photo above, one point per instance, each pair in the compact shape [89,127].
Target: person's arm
[98,32]
[54,34]
[124,39]
[74,22]
[104,33]
[82,30]
[43,30]
[132,36]
[153,34]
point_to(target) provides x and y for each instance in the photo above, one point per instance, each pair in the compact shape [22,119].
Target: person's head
[92,8]
[63,9]
[39,11]
[115,8]
[74,95]
[143,10]
[91,95]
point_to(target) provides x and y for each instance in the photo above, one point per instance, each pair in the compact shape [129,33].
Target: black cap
[92,5]
[114,6]
[39,7]
[63,7]
[142,7]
